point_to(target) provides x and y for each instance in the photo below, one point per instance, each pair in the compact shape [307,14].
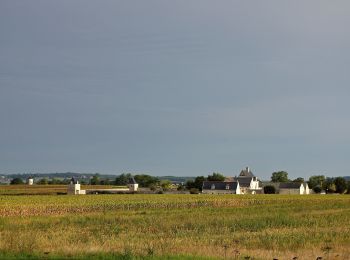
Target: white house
[74,188]
[132,185]
[249,183]
[30,181]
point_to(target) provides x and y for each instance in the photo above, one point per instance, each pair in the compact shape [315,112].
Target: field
[43,189]
[175,226]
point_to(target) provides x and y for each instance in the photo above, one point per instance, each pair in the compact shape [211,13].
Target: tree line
[317,183]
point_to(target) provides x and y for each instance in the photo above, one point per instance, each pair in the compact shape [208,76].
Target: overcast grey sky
[175,87]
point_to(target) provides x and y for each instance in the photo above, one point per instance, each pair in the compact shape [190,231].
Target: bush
[43,181]
[317,189]
[269,189]
[16,181]
[340,184]
[194,191]
[181,188]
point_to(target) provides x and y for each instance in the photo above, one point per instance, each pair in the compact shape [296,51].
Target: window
[213,186]
[227,186]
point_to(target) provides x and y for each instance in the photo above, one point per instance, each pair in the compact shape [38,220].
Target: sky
[185,87]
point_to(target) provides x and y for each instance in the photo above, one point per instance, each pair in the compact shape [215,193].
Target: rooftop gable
[132,181]
[246,173]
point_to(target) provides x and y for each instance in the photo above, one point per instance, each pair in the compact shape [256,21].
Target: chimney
[247,169]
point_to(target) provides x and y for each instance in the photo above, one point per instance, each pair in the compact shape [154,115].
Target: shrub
[269,189]
[317,189]
[17,181]
[340,184]
[194,191]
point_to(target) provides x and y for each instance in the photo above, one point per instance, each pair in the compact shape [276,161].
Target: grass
[175,226]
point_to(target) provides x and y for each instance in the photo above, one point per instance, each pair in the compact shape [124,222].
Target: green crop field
[175,226]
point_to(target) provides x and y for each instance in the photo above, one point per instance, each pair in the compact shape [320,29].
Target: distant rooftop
[290,185]
[246,173]
[132,181]
[219,185]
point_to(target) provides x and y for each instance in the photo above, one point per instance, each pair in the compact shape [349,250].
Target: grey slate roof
[132,181]
[243,181]
[290,185]
[246,173]
[219,185]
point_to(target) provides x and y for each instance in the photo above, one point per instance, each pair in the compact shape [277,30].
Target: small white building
[132,185]
[74,188]
[30,181]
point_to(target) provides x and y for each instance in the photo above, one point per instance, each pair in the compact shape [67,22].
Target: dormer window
[213,186]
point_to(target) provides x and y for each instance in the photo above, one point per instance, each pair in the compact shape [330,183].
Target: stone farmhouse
[74,188]
[245,183]
[133,185]
[248,182]
[293,188]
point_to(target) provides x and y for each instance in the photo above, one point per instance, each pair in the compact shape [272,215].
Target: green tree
[317,189]
[340,184]
[106,182]
[95,180]
[316,180]
[181,187]
[43,181]
[165,184]
[197,183]
[329,185]
[145,180]
[16,181]
[348,188]
[55,181]
[190,184]
[299,179]
[216,177]
[123,179]
[269,189]
[280,176]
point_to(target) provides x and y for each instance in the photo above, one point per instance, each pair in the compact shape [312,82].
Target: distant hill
[176,178]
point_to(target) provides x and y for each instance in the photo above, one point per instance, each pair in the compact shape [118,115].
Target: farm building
[74,188]
[293,188]
[132,185]
[30,180]
[249,183]
[221,187]
[245,183]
